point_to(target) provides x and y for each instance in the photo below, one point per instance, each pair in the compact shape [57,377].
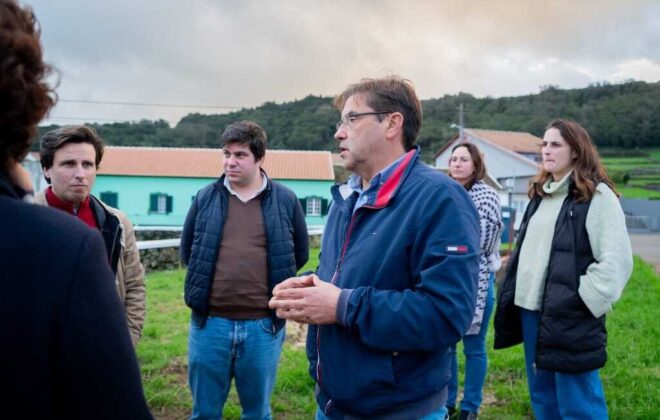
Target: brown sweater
[240,281]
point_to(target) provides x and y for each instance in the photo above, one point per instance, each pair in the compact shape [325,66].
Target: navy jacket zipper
[318,330]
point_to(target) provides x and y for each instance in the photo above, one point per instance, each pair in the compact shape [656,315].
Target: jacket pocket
[351,371]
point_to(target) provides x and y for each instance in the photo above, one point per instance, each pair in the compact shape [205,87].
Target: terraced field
[636,177]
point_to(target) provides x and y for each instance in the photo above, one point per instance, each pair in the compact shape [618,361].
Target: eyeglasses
[348,119]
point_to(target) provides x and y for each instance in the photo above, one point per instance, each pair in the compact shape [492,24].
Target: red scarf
[84,213]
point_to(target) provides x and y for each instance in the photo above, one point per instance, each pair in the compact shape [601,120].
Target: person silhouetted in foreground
[66,351]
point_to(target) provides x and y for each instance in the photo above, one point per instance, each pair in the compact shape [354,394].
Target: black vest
[570,338]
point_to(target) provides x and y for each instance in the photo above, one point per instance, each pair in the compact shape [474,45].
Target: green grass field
[637,185]
[631,377]
[638,192]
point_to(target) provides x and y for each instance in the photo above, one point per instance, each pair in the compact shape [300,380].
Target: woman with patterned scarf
[467,167]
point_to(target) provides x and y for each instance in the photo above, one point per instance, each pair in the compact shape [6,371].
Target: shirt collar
[264,184]
[355,182]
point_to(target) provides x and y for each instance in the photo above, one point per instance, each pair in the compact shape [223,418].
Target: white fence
[643,223]
[167,243]
[159,243]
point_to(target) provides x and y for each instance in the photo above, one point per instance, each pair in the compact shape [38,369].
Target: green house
[155,186]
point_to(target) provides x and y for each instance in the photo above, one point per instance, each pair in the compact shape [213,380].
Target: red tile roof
[207,163]
[515,141]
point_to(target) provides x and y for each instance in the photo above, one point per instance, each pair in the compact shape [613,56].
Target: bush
[619,177]
[614,153]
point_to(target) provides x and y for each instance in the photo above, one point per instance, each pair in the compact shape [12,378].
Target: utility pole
[461,124]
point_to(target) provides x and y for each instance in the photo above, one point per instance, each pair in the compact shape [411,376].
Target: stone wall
[168,258]
[159,258]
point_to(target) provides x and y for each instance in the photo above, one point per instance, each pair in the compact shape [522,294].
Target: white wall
[510,171]
[499,163]
[34,168]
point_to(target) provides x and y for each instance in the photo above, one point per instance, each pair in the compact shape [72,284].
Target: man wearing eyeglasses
[396,281]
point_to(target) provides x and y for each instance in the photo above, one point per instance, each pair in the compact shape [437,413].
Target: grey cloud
[247,52]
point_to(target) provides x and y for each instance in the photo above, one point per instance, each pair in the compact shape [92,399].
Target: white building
[512,159]
[33,166]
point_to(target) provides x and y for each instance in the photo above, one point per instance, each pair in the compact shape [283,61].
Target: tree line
[624,115]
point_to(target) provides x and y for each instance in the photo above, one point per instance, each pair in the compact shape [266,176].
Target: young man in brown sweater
[243,235]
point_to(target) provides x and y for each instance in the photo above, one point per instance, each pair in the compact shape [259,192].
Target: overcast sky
[232,53]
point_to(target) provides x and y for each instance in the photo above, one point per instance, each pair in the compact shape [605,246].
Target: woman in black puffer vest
[571,263]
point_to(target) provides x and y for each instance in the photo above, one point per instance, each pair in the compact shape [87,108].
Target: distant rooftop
[515,141]
[207,163]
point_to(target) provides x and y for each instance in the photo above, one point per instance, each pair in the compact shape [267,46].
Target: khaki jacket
[129,279]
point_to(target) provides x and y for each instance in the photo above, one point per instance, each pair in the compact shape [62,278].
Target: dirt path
[647,246]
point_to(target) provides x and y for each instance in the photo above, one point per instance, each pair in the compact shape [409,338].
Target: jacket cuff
[342,306]
[592,298]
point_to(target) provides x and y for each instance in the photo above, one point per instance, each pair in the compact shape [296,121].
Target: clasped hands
[306,299]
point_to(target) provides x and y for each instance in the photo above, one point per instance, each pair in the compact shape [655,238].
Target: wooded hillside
[617,115]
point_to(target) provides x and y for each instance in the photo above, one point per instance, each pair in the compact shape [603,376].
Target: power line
[83,119]
[85,101]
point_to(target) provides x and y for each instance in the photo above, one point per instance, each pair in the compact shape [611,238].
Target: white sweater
[602,284]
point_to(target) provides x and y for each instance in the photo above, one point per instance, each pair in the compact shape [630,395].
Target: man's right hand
[306,299]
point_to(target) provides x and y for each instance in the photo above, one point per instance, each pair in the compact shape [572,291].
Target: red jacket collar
[387,190]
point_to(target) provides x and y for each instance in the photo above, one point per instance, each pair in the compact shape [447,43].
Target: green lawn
[652,157]
[635,187]
[631,377]
[637,192]
[645,180]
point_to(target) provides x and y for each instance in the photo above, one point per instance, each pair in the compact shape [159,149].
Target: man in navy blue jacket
[396,281]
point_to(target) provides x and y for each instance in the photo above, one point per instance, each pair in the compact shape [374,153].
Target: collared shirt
[355,183]
[264,184]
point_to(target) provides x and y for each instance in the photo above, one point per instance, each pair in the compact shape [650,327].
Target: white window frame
[313,206]
[161,208]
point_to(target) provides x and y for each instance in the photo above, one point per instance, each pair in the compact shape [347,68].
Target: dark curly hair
[25,97]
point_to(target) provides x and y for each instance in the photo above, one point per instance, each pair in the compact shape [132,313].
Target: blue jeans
[476,362]
[247,351]
[441,414]
[557,395]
